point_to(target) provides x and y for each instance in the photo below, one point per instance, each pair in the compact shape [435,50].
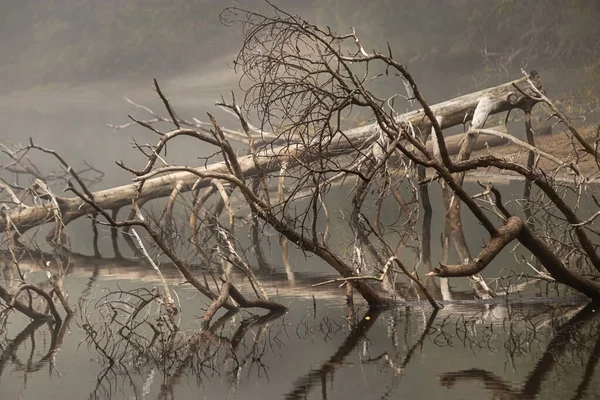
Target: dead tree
[302,83]
[304,78]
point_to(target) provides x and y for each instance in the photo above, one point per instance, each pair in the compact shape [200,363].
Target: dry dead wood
[506,234]
[228,290]
[269,160]
[303,95]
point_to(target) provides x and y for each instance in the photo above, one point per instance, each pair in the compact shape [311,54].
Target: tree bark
[502,98]
[506,234]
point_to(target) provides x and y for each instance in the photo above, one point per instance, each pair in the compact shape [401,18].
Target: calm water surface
[319,349]
[528,347]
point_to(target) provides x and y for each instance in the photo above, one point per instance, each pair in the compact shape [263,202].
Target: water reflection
[573,337]
[39,354]
[120,345]
[320,376]
[175,358]
[318,350]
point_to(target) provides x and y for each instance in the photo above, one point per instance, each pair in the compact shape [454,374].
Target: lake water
[319,349]
[542,343]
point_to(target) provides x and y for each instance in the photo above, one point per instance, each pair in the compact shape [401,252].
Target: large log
[453,142]
[452,112]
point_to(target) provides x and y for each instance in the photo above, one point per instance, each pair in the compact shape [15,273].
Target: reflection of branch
[489,380]
[39,291]
[19,306]
[230,344]
[554,352]
[589,371]
[419,342]
[304,384]
[13,345]
[58,332]
[399,368]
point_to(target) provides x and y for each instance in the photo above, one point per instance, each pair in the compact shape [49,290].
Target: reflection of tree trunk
[555,350]
[589,371]
[199,200]
[453,224]
[133,269]
[303,385]
[254,232]
[427,214]
[445,282]
[114,238]
[490,381]
[528,207]
[255,239]
[480,115]
[453,228]
[95,236]
[125,231]
[285,256]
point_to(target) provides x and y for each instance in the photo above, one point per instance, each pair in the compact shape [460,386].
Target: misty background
[66,65]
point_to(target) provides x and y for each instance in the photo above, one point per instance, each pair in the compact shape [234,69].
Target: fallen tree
[301,85]
[452,112]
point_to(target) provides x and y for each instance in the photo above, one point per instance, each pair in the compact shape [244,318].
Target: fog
[67,65]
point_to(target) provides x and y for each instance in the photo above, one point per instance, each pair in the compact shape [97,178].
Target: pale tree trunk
[452,112]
